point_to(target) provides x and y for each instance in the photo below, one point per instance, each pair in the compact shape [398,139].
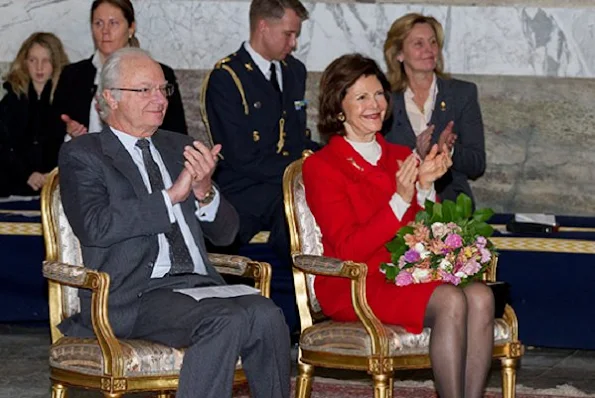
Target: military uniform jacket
[260,133]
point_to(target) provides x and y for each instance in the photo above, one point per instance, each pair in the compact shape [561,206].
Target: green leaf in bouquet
[422,217]
[390,271]
[395,244]
[449,211]
[483,214]
[407,229]
[464,205]
[429,206]
[484,229]
[436,213]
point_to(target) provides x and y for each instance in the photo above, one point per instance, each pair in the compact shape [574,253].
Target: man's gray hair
[110,76]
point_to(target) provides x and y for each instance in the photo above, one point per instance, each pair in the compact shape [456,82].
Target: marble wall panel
[510,39]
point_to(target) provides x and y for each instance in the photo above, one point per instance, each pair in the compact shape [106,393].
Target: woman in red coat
[361,190]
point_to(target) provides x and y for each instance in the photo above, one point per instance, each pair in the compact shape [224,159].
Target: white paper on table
[537,218]
[223,291]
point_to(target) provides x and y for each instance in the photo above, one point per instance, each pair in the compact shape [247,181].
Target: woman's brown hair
[393,46]
[18,75]
[336,79]
[127,10]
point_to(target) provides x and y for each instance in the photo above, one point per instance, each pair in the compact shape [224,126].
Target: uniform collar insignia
[249,66]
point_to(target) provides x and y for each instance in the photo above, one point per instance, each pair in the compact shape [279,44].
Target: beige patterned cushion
[350,338]
[69,251]
[310,235]
[141,358]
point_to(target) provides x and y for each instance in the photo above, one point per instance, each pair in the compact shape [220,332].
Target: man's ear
[109,98]
[262,25]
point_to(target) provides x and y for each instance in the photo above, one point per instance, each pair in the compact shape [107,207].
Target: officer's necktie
[274,80]
[181,262]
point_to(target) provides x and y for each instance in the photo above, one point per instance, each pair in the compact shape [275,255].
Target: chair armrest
[244,267]
[357,272]
[98,282]
[66,274]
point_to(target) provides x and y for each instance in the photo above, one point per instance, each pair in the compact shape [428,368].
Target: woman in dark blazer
[113,26]
[429,107]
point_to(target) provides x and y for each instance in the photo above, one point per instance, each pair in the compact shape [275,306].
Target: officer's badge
[299,105]
[249,66]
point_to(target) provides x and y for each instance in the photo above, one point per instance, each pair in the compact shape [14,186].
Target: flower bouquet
[446,242]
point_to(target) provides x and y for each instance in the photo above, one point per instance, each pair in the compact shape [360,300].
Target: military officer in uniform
[253,105]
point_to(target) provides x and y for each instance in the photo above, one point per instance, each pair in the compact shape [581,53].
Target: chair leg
[382,385]
[59,391]
[391,387]
[509,377]
[303,382]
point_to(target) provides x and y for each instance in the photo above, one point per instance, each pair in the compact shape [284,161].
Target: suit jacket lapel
[403,125]
[441,108]
[113,148]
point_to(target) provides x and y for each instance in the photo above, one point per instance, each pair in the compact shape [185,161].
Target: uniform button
[284,113]
[285,153]
[139,295]
[150,265]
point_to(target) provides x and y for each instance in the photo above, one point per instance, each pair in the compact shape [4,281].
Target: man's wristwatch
[208,197]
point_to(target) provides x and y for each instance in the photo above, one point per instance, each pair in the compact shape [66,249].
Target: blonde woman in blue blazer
[430,107]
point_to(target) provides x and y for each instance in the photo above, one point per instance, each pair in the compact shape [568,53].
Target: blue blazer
[457,101]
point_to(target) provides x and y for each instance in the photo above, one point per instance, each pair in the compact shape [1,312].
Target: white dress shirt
[371,152]
[420,120]
[264,65]
[203,213]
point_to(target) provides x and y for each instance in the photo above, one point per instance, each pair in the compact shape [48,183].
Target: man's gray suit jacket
[117,221]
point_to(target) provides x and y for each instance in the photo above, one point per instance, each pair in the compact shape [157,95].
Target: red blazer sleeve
[329,200]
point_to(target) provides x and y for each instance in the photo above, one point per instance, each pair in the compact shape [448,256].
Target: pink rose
[404,278]
[454,241]
[485,255]
[472,267]
[449,278]
[481,242]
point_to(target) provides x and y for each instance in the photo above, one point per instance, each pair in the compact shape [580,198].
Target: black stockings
[461,340]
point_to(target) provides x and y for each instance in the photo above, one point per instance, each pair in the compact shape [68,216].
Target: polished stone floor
[24,372]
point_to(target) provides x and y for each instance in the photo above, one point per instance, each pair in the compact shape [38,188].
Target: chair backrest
[305,237]
[61,245]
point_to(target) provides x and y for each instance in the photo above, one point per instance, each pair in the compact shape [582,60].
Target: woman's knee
[448,301]
[480,298]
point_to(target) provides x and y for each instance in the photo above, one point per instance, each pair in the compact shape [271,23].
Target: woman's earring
[341,117]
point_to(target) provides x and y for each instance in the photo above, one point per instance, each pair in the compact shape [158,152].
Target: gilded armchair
[366,345]
[113,366]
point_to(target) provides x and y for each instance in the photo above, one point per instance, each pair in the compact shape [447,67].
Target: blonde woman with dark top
[28,142]
[429,107]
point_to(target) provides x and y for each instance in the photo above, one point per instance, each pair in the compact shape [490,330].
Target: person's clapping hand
[36,180]
[201,163]
[73,128]
[447,137]
[422,141]
[406,177]
[434,166]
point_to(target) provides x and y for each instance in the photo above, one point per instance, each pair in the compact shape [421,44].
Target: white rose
[420,275]
[421,249]
[439,230]
[445,265]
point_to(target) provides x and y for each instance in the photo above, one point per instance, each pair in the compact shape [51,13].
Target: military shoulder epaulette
[225,60]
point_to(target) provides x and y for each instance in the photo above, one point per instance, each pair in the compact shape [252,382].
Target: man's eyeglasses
[146,92]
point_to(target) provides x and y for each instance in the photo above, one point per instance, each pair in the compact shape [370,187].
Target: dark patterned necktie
[181,262]
[274,80]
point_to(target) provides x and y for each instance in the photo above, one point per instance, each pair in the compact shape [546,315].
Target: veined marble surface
[194,34]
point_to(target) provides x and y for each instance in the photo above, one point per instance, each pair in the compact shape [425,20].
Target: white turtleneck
[371,152]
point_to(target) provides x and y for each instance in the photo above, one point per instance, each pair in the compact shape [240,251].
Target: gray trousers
[216,332]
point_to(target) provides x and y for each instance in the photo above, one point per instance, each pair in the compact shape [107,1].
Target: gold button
[308,133]
[256,136]
[284,134]
[285,153]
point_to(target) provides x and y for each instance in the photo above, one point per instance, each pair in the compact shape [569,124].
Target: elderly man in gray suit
[141,202]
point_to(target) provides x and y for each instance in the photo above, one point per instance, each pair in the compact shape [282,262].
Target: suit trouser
[217,331]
